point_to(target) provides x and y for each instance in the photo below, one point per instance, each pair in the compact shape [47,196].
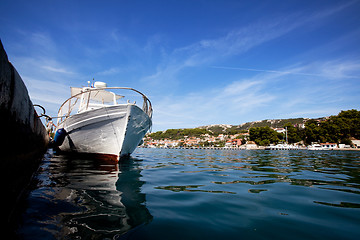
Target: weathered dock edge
[23,137]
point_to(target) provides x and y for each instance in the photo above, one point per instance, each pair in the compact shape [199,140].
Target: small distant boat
[284,146]
[315,146]
[322,146]
[93,121]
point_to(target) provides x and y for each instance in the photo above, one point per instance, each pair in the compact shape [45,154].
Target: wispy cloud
[283,93]
[211,106]
[49,94]
[48,68]
[46,76]
[297,88]
[56,69]
[47,91]
[235,42]
[110,71]
[40,56]
[208,51]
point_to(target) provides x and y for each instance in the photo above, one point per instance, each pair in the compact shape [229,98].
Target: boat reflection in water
[84,198]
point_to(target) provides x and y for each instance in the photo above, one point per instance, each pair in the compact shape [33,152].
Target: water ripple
[197,194]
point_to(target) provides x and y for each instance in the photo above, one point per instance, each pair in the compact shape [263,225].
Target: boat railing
[67,108]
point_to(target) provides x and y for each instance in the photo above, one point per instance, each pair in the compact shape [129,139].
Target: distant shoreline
[258,148]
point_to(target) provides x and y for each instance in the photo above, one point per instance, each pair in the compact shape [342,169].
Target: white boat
[315,146]
[322,146]
[284,146]
[93,120]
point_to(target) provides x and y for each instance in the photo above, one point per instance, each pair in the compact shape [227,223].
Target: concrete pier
[23,138]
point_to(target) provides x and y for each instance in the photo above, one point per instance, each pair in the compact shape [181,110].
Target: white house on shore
[251,145]
[328,145]
[356,143]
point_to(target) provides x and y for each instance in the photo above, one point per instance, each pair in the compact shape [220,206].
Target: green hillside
[338,129]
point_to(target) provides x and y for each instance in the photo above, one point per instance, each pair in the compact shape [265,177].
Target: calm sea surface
[197,194]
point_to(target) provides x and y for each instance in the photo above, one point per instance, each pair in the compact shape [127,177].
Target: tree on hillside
[312,131]
[156,135]
[353,122]
[336,129]
[294,133]
[263,136]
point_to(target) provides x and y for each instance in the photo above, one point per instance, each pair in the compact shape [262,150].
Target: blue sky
[199,62]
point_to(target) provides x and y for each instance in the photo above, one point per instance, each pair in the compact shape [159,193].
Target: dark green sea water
[197,194]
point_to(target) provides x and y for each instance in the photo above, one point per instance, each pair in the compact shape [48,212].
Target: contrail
[249,69]
[275,71]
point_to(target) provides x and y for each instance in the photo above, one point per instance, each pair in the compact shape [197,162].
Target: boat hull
[112,131]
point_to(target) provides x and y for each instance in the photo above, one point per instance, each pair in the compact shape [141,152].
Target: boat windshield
[102,96]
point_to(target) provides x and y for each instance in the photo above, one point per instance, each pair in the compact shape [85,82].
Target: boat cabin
[90,100]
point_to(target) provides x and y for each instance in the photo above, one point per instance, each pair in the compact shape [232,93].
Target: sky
[200,62]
